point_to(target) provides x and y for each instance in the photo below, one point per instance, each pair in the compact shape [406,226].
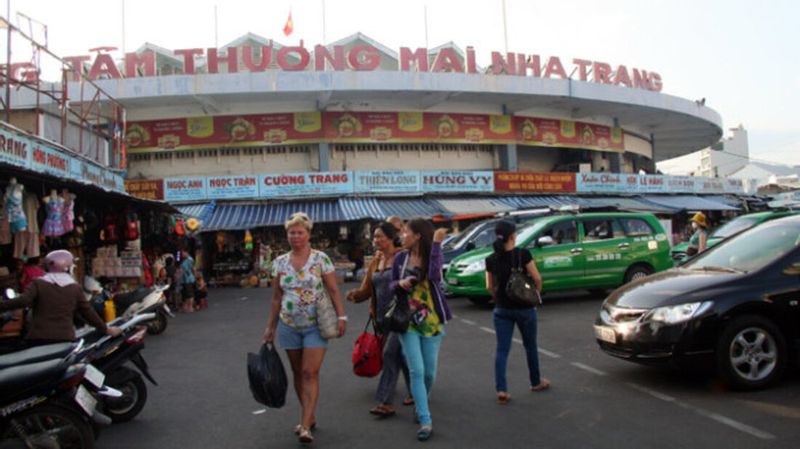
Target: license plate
[85,400]
[452,281]
[605,334]
[94,376]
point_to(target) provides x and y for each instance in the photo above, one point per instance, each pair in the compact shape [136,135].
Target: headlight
[679,313]
[475,267]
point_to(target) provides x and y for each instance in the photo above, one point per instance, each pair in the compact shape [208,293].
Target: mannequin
[69,210]
[13,197]
[53,224]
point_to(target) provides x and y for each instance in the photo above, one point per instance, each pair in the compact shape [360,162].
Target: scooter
[143,300]
[44,401]
[110,356]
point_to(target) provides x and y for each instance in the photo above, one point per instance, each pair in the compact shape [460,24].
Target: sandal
[408,401]
[424,433]
[382,411]
[544,384]
[299,428]
[305,435]
[503,398]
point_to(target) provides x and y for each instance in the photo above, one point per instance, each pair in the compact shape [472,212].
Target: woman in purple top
[416,276]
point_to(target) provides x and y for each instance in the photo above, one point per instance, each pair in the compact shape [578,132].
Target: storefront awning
[248,216]
[533,202]
[194,210]
[687,202]
[627,204]
[409,208]
[471,207]
[354,209]
[725,199]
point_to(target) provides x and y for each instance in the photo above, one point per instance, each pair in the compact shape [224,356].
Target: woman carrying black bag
[507,312]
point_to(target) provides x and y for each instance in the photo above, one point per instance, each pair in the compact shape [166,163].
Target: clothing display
[53,224]
[26,244]
[69,210]
[30,205]
[5,226]
[13,206]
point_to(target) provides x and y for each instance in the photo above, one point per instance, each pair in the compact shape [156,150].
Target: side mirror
[10,293]
[793,269]
[469,246]
[545,240]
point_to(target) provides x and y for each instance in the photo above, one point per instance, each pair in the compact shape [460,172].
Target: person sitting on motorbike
[54,298]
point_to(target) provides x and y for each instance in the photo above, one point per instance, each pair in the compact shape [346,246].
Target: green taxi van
[594,251]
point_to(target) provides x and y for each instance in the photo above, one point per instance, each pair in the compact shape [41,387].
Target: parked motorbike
[110,356]
[44,402]
[143,300]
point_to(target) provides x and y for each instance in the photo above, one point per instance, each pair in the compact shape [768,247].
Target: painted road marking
[588,368]
[471,323]
[708,414]
[550,354]
[259,412]
[486,329]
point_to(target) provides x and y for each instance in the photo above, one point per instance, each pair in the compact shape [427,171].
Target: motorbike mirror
[10,293]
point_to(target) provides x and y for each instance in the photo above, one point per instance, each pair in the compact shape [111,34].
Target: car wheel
[751,353]
[637,272]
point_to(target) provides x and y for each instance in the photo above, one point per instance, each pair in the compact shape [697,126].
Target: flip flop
[543,385]
[305,436]
[298,428]
[382,411]
[503,398]
[408,401]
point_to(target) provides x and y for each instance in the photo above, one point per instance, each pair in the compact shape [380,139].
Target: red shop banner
[534,182]
[148,189]
[234,130]
[566,133]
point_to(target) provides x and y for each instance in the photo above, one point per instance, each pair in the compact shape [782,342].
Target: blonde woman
[302,276]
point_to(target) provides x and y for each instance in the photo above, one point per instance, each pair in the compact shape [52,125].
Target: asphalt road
[596,401]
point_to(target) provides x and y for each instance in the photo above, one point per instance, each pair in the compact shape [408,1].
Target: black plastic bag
[395,316]
[267,377]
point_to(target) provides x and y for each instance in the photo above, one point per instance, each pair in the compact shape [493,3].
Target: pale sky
[739,55]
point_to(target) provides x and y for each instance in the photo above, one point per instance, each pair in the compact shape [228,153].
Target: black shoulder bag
[520,289]
[396,315]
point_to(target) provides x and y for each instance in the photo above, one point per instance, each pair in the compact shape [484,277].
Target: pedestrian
[30,271]
[416,277]
[201,293]
[697,243]
[169,273]
[54,299]
[375,287]
[187,280]
[302,276]
[508,314]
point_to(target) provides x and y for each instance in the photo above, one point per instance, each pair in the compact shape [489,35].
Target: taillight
[137,337]
[74,377]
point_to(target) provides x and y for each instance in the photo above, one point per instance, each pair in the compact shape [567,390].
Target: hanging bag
[395,316]
[368,352]
[267,378]
[520,288]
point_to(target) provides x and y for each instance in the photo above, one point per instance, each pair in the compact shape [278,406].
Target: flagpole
[324,30]
[425,12]
[216,33]
[505,28]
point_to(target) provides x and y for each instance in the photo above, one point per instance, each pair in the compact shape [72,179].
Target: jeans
[504,321]
[393,362]
[422,354]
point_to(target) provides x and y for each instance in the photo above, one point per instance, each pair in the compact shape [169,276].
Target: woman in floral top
[301,278]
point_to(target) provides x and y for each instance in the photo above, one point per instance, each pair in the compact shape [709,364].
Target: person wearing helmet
[697,244]
[54,299]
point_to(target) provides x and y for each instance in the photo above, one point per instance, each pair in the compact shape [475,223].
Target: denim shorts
[307,337]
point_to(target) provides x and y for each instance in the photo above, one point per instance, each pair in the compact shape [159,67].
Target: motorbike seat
[36,354]
[17,381]
[126,299]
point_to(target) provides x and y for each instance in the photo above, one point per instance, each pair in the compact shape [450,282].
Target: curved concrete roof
[678,126]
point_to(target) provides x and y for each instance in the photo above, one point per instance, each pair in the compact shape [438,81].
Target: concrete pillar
[324,156]
[614,162]
[508,157]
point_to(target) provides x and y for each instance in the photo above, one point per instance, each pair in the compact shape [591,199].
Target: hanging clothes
[53,224]
[16,216]
[69,211]
[5,226]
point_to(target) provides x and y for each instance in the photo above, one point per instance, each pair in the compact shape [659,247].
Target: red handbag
[368,353]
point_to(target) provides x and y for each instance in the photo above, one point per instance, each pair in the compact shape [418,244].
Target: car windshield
[464,236]
[525,231]
[734,226]
[752,250]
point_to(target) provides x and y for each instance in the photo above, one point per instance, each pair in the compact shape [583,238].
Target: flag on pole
[289,27]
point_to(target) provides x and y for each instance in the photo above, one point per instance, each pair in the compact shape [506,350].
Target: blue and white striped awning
[687,202]
[472,206]
[529,202]
[194,210]
[409,208]
[248,216]
[354,209]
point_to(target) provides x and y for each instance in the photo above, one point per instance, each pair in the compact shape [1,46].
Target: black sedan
[735,306]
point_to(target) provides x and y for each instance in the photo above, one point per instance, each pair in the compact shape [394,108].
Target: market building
[244,135]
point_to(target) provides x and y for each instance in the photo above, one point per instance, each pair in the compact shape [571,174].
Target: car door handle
[576,250]
[624,245]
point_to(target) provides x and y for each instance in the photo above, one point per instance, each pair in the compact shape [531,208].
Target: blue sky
[741,56]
